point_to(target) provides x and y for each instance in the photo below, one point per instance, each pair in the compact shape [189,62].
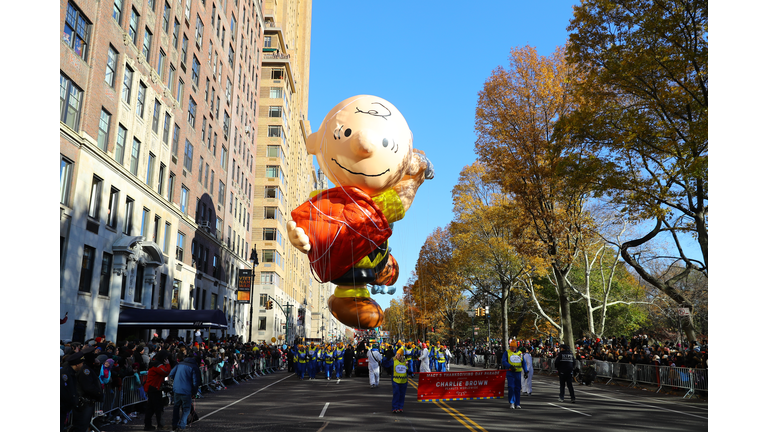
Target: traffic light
[488,310]
[269,304]
[482,311]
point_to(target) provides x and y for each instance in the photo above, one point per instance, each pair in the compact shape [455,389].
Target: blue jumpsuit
[514,364]
[339,363]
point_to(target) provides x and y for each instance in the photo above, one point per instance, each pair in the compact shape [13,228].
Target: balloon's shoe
[354,307]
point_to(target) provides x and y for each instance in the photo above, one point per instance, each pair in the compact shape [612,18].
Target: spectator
[159,369]
[186,381]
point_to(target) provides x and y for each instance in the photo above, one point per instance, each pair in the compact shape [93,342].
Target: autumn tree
[643,91]
[515,119]
[485,232]
[441,291]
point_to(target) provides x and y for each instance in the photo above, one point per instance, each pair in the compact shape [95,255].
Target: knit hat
[512,343]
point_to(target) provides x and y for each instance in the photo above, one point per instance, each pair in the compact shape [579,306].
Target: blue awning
[172,318]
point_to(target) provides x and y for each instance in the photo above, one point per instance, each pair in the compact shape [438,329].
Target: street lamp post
[255,260]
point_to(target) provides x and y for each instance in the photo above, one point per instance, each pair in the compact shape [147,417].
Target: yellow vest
[302,356]
[400,372]
[515,358]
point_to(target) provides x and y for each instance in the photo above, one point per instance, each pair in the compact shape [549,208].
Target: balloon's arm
[421,170]
[297,237]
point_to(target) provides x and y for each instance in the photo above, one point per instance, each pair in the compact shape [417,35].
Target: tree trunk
[565,308]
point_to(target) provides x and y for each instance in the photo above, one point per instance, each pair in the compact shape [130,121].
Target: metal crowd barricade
[133,391]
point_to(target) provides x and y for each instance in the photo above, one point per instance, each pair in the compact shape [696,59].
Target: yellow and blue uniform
[338,363]
[312,363]
[513,363]
[399,380]
[440,360]
[302,362]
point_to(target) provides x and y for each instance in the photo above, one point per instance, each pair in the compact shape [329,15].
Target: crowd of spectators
[116,361]
[638,349]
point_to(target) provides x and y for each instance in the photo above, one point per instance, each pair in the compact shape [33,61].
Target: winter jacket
[186,377]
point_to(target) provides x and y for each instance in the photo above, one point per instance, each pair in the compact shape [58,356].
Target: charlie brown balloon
[365,147]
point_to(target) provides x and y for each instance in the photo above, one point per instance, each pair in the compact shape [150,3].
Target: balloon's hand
[420,169]
[297,237]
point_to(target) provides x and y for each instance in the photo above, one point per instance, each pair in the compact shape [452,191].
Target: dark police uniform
[564,364]
[89,391]
[68,385]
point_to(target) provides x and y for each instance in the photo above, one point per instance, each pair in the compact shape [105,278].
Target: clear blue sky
[430,59]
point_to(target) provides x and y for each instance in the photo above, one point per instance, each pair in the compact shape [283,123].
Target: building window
[127,84]
[117,11]
[275,131]
[274,151]
[106,271]
[171,181]
[270,191]
[262,323]
[171,76]
[103,136]
[133,26]
[270,212]
[199,32]
[189,151]
[166,16]
[180,246]
[147,46]
[144,222]
[156,116]
[70,102]
[175,295]
[128,227]
[275,111]
[76,30]
[270,234]
[184,199]
[268,278]
[109,76]
[273,171]
[225,126]
[222,192]
[95,199]
[135,156]
[151,4]
[267,41]
[65,179]
[166,127]
[120,144]
[200,170]
[277,74]
[150,169]
[114,196]
[275,93]
[184,43]
[195,71]
[156,232]
[161,64]
[161,179]
[214,301]
[86,269]
[191,111]
[142,94]
[176,26]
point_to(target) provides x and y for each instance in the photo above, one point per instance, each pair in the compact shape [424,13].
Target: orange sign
[244,296]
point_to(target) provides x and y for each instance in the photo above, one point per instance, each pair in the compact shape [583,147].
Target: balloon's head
[365,142]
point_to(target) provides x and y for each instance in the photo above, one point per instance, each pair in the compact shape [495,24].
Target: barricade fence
[131,392]
[689,379]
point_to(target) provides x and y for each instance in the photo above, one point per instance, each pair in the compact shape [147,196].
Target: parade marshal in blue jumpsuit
[513,363]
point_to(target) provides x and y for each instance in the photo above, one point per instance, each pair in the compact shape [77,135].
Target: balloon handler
[365,147]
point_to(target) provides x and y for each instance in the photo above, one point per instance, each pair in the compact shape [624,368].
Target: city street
[281,402]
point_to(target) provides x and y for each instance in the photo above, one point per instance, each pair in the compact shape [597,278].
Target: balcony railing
[276,56]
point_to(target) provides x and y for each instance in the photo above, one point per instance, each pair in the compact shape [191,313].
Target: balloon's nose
[362,144]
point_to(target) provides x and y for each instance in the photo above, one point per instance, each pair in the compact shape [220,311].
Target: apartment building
[159,113]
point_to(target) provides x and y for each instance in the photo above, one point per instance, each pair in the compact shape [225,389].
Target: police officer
[69,396]
[89,391]
[564,364]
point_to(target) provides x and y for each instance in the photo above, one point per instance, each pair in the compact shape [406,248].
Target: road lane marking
[577,412]
[324,408]
[463,416]
[454,416]
[240,400]
[650,406]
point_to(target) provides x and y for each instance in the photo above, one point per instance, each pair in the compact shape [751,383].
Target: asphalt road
[282,402]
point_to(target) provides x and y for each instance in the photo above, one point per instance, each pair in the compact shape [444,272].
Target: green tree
[643,92]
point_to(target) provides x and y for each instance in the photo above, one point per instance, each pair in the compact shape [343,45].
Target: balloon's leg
[354,307]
